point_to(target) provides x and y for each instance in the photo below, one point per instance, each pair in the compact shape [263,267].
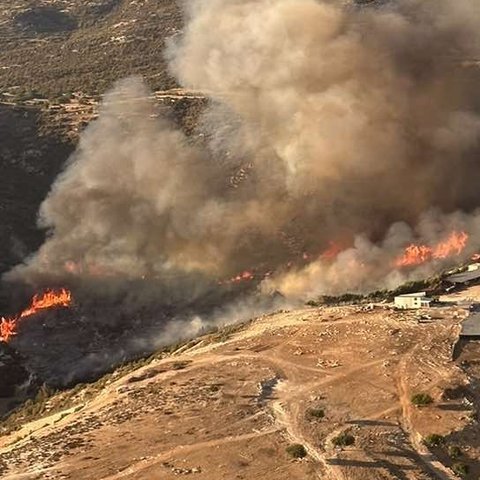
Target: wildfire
[7,329]
[245,276]
[332,251]
[49,299]
[418,254]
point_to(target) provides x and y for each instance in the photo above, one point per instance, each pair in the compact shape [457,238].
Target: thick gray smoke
[329,122]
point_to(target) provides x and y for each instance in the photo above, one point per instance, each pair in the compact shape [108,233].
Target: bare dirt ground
[470,294]
[228,410]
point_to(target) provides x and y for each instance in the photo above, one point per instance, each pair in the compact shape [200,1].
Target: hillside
[55,47]
[322,172]
[229,405]
[57,59]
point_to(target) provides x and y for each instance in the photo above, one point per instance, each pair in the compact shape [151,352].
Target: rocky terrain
[328,392]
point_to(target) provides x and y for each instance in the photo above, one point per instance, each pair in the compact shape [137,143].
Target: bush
[461,469]
[62,100]
[433,440]
[180,365]
[454,452]
[315,413]
[296,450]
[421,399]
[339,299]
[343,440]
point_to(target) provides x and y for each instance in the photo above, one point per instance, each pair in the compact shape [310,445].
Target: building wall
[408,302]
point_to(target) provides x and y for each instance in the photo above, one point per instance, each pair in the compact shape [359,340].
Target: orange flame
[332,251]
[245,276]
[73,267]
[418,254]
[414,255]
[453,245]
[8,329]
[50,299]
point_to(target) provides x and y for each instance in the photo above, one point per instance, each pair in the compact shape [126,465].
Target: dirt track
[231,408]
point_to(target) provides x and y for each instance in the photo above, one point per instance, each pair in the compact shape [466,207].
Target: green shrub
[345,298]
[61,100]
[454,452]
[433,440]
[180,365]
[461,469]
[343,440]
[315,413]
[421,399]
[296,450]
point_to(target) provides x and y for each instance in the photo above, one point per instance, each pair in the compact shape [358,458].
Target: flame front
[50,299]
[418,254]
[245,276]
[8,328]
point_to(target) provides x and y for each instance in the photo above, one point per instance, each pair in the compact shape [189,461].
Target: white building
[412,301]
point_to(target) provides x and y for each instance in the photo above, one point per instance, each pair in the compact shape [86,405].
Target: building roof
[464,277]
[417,294]
[471,326]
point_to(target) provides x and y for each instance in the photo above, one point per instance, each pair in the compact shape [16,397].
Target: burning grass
[413,255]
[47,300]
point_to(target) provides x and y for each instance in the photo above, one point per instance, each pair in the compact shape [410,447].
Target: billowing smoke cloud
[329,122]
[366,266]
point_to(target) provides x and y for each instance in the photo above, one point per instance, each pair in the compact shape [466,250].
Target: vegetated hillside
[357,392]
[56,60]
[29,160]
[36,139]
[52,47]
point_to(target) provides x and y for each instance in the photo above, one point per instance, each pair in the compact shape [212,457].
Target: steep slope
[227,406]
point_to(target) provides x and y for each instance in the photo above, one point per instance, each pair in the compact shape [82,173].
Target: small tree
[421,399]
[454,452]
[315,413]
[433,440]
[343,440]
[296,450]
[461,469]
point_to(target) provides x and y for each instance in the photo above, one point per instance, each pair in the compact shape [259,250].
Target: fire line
[49,299]
[418,254]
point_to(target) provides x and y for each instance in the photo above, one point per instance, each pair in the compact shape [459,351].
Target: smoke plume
[328,122]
